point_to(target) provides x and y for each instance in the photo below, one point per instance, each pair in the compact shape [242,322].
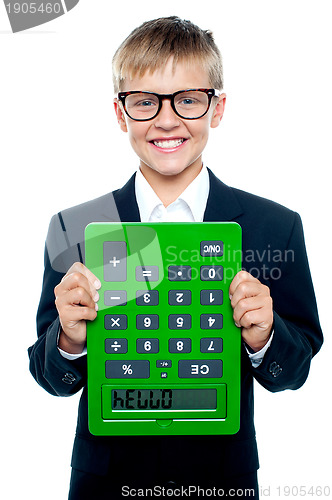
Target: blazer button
[275,369]
[68,378]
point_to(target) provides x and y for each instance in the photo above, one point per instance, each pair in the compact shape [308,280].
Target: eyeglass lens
[143,106]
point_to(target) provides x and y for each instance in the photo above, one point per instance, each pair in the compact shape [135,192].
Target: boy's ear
[120,115]
[218,111]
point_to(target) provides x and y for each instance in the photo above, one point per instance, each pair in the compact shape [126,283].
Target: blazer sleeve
[297,332]
[57,375]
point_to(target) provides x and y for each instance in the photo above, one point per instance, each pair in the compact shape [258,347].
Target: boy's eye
[145,103]
[190,99]
[141,101]
[187,101]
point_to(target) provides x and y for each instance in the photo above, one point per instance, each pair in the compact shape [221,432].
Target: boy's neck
[169,187]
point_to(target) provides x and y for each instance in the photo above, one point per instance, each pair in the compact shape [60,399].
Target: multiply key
[118,322]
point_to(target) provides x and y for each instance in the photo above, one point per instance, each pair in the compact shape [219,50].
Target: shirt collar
[147,200]
[195,196]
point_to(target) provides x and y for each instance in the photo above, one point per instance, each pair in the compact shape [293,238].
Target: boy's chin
[167,170]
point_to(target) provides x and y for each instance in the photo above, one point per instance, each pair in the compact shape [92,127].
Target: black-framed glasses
[189,104]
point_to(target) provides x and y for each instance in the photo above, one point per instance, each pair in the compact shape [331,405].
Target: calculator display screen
[164,399]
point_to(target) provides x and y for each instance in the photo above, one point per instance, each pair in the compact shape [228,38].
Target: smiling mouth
[168,144]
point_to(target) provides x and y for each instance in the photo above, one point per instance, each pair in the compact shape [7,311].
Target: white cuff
[257,357]
[68,355]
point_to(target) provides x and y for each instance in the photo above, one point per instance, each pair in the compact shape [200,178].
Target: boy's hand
[252,306]
[75,299]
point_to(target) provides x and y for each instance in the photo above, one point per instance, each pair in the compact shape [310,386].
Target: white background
[60,145]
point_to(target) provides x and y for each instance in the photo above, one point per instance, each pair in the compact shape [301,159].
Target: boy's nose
[166,117]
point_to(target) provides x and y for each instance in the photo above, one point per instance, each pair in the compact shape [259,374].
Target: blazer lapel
[222,204]
[126,203]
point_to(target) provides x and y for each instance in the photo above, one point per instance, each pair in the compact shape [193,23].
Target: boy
[273,303]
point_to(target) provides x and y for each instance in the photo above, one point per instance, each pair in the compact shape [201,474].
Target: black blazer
[273,251]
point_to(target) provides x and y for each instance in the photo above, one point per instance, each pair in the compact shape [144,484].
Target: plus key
[115,260]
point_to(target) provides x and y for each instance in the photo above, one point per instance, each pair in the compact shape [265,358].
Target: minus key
[115,297]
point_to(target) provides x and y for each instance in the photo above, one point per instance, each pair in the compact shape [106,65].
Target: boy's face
[170,158]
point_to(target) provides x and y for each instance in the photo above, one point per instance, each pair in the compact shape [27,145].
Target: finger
[248,289]
[73,314]
[76,280]
[81,268]
[78,296]
[255,318]
[240,277]
[249,304]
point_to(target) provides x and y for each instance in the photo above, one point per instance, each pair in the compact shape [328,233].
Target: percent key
[127,369]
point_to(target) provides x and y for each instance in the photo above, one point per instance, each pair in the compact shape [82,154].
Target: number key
[211,273]
[179,297]
[147,322]
[211,321]
[179,321]
[211,344]
[211,297]
[147,346]
[179,345]
[144,298]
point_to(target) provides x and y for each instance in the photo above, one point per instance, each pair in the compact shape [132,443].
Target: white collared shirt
[188,207]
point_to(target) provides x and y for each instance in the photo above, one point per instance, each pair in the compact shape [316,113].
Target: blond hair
[149,47]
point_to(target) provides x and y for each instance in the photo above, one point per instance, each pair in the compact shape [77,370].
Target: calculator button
[163,363]
[179,321]
[211,297]
[189,368]
[211,273]
[144,346]
[212,248]
[147,273]
[179,297]
[179,345]
[211,321]
[147,321]
[127,369]
[116,322]
[211,345]
[115,298]
[115,260]
[179,273]
[144,298]
[116,346]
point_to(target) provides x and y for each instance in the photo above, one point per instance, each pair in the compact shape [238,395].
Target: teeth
[168,144]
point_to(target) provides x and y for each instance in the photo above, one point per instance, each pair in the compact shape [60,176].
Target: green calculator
[163,353]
